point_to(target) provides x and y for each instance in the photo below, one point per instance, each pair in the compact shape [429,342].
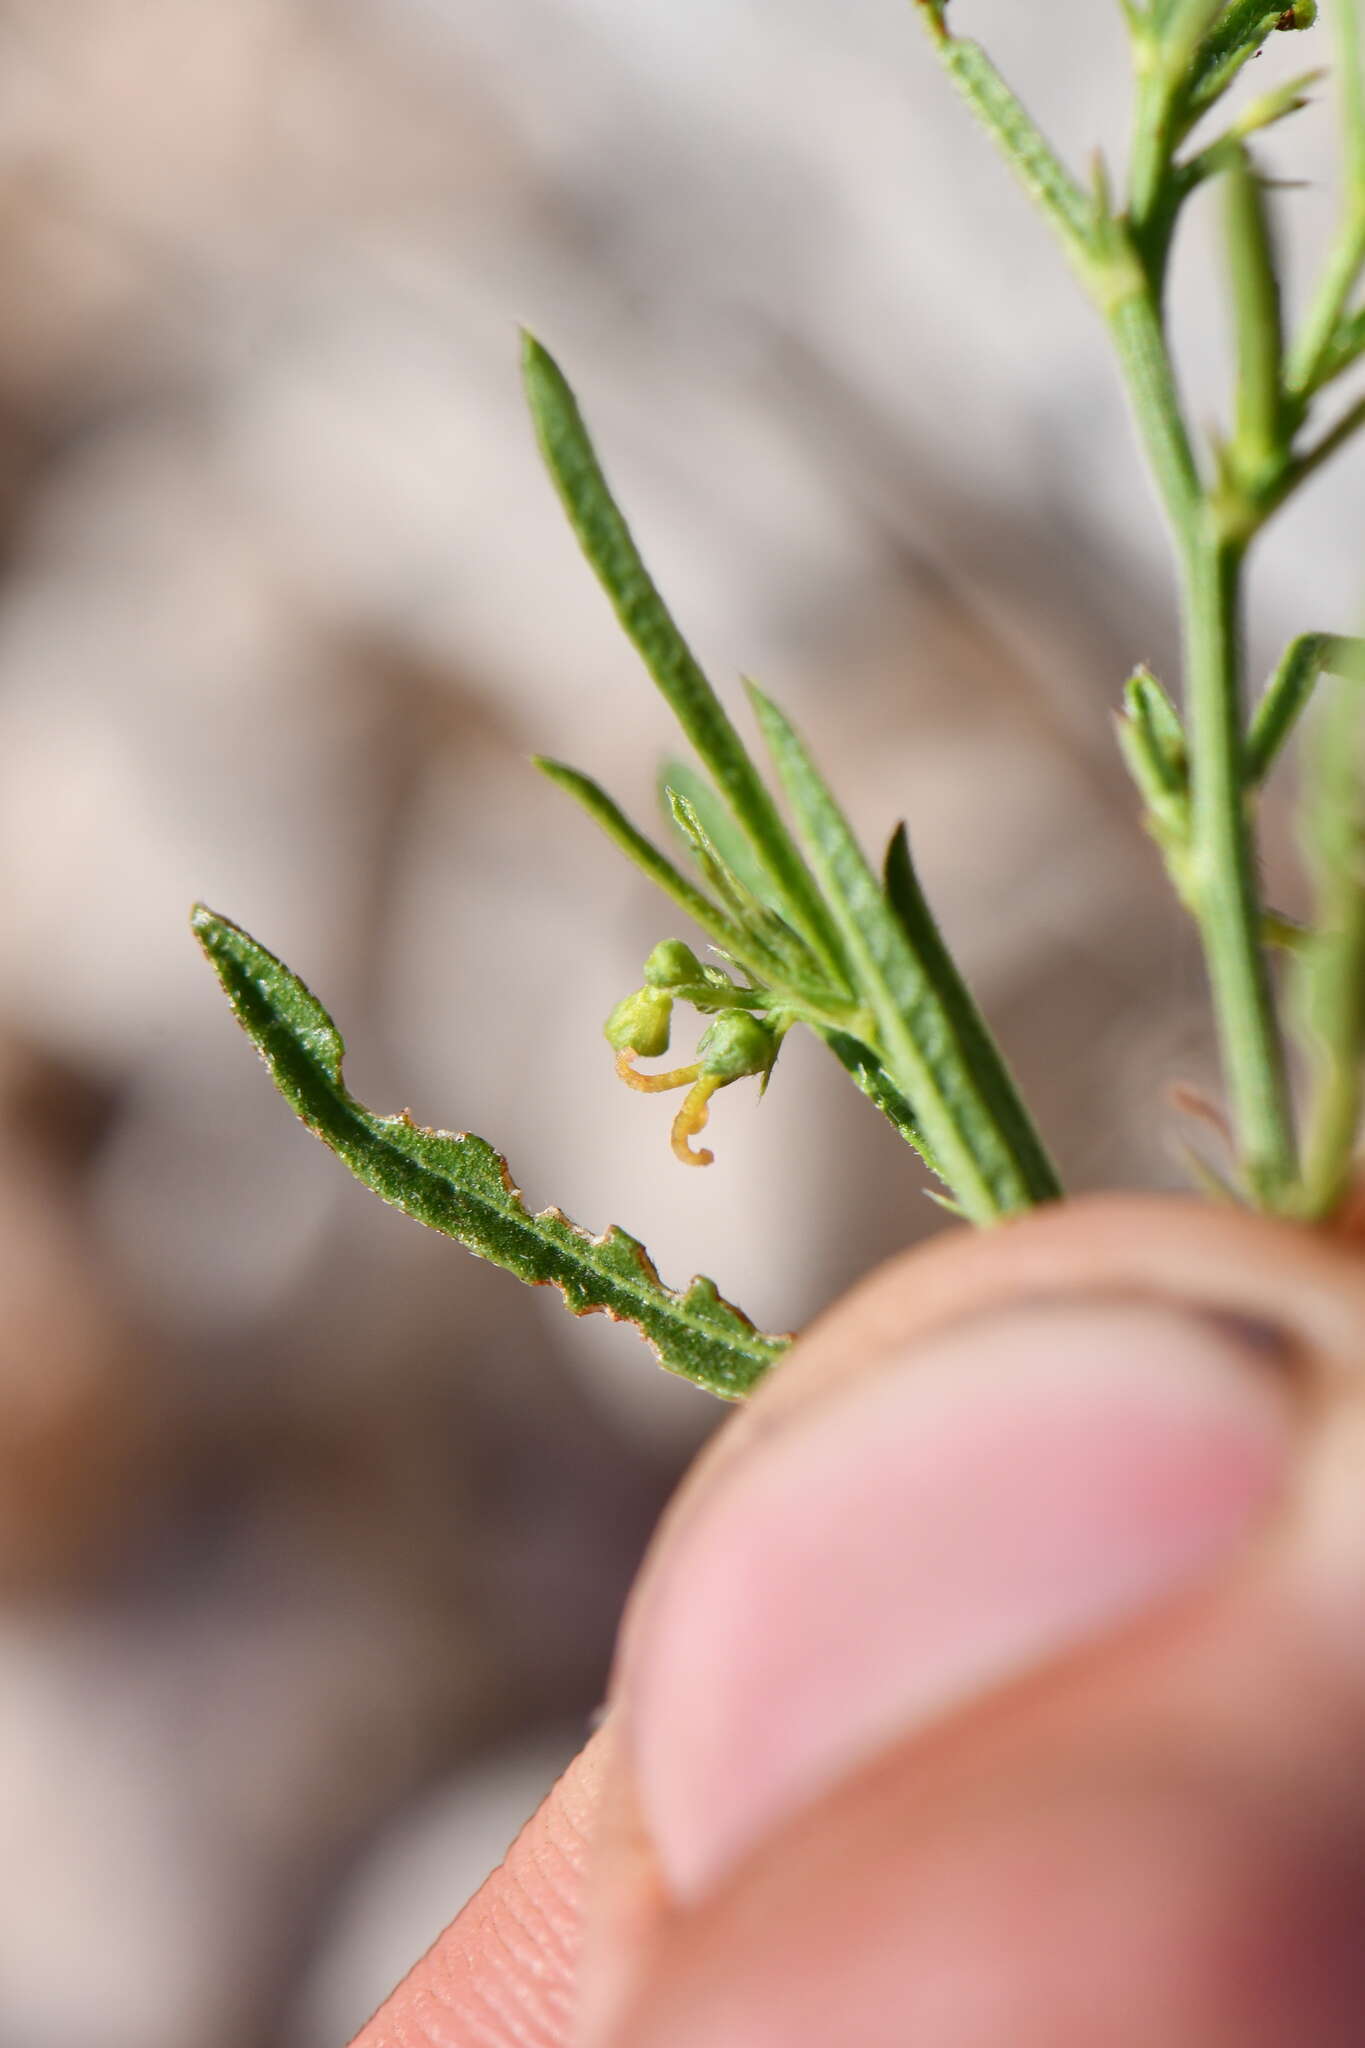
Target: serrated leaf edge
[705,1315]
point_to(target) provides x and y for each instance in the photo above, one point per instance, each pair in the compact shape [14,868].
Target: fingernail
[936,1527]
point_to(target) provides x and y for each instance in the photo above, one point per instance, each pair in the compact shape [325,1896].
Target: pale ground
[315,1530]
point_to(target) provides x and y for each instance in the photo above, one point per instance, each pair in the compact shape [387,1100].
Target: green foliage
[610,547]
[1187,54]
[812,929]
[930,1037]
[457,1184]
[1289,690]
[807,933]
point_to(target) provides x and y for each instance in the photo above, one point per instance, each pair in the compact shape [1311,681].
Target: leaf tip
[209,928]
[541,374]
[561,774]
[773,722]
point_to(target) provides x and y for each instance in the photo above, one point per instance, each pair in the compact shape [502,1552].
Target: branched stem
[1186,53]
[809,932]
[1222,869]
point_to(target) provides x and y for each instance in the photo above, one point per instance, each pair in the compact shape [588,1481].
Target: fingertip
[502,1974]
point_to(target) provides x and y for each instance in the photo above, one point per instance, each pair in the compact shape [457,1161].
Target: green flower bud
[735,1045]
[641,1023]
[672,964]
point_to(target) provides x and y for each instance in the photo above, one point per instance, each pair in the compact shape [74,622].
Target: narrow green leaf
[930,1038]
[457,1184]
[723,930]
[1346,347]
[734,893]
[1345,15]
[858,1060]
[789,961]
[1233,40]
[1260,443]
[1264,112]
[870,1076]
[1059,196]
[1153,745]
[610,547]
[984,1060]
[1290,688]
[1166,770]
[1311,353]
[686,781]
[1314,458]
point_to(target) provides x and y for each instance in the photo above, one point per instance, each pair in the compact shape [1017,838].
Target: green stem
[1145,361]
[1155,136]
[1223,863]
[1185,52]
[1163,60]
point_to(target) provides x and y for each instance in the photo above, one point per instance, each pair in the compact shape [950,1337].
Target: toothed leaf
[457,1184]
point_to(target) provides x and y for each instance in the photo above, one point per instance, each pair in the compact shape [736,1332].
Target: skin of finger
[502,1975]
[1155,1843]
[1150,1897]
[475,1976]
[1306,1285]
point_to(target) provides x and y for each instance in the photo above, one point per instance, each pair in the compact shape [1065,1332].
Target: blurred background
[313,1531]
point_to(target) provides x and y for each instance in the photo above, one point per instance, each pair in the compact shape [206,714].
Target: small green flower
[641,1023]
[735,1045]
[673,964]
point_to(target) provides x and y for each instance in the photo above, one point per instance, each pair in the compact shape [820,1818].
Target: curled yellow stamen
[652,1084]
[691,1118]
